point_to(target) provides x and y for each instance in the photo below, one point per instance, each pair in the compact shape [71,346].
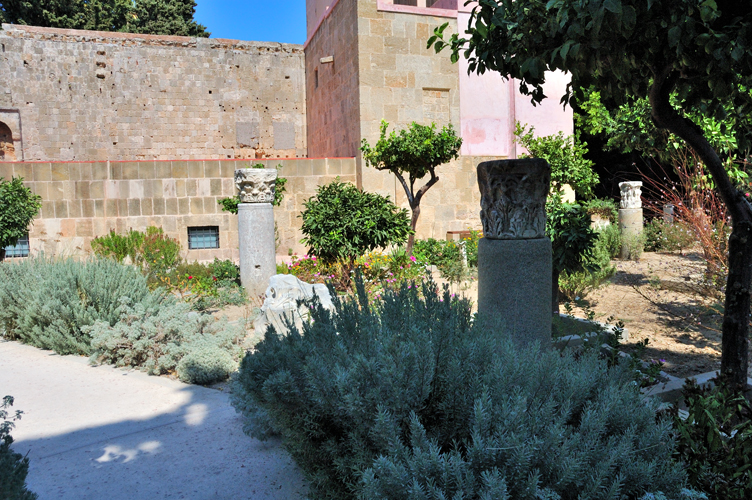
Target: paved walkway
[104,433]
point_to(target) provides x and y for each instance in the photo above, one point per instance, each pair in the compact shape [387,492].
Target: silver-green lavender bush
[49,303]
[409,397]
[170,338]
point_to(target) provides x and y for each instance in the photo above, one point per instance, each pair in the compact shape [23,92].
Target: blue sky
[254,20]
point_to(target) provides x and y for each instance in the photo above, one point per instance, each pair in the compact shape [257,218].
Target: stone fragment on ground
[281,302]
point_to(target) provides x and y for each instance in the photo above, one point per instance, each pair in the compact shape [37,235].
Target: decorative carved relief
[630,194]
[256,185]
[513,198]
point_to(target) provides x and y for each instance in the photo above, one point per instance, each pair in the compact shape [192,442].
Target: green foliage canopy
[156,17]
[18,207]
[565,155]
[343,222]
[415,152]
[698,50]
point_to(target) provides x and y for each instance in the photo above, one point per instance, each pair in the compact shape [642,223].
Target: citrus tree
[18,207]
[698,50]
[413,153]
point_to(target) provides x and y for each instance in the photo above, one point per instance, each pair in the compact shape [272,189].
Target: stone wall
[88,96]
[84,200]
[332,84]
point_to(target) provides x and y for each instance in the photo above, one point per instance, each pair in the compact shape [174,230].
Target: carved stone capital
[630,194]
[256,185]
[513,198]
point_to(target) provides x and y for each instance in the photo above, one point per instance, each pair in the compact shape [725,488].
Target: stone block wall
[332,94]
[88,199]
[71,95]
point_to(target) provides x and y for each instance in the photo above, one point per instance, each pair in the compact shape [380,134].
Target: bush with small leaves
[49,303]
[156,341]
[408,397]
[206,365]
[342,223]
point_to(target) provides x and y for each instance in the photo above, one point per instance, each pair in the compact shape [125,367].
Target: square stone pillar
[514,255]
[256,228]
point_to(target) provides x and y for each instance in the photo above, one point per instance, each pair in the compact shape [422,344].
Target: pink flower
[412,258]
[190,277]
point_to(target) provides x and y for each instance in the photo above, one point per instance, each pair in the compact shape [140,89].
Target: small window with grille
[200,238]
[20,249]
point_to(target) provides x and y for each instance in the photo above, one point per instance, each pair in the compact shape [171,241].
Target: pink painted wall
[490,106]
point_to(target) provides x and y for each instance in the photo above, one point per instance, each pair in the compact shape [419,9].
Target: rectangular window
[20,249]
[203,237]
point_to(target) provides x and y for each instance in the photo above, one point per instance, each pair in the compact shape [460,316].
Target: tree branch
[408,191]
[434,179]
[667,117]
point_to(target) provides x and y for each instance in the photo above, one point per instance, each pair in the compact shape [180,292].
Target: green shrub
[597,270]
[154,252]
[445,255]
[565,155]
[18,207]
[13,466]
[715,442]
[206,366]
[156,341]
[604,208]
[342,223]
[471,247]
[48,303]
[611,238]
[661,236]
[408,398]
[119,246]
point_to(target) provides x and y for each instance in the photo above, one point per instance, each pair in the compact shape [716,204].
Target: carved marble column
[630,217]
[514,255]
[256,228]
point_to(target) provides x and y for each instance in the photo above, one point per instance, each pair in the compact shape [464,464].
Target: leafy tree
[156,17]
[18,207]
[415,152]
[630,127]
[565,155]
[342,223]
[698,50]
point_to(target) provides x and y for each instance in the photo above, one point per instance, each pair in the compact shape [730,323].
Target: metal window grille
[20,249]
[203,237]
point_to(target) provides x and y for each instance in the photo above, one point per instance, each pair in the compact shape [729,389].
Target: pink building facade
[367,60]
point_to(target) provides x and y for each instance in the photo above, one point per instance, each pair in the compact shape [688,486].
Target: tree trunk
[555,292]
[735,342]
[413,224]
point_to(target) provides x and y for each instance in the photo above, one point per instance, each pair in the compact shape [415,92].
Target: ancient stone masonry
[630,194]
[92,96]
[256,185]
[514,256]
[513,199]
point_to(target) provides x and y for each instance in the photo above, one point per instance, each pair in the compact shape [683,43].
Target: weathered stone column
[514,255]
[630,216]
[256,228]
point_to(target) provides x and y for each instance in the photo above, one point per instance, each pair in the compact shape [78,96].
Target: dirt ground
[658,298]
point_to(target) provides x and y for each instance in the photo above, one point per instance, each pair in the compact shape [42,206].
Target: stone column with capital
[256,228]
[514,255]
[630,217]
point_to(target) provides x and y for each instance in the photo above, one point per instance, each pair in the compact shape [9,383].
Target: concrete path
[104,433]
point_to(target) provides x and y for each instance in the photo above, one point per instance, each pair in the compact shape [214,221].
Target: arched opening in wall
[7,150]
